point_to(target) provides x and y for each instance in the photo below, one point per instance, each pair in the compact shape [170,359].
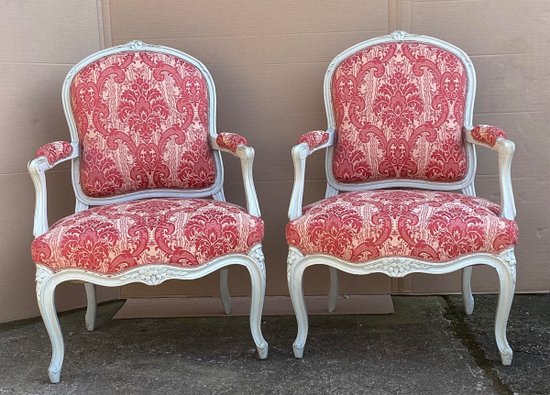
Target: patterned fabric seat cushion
[182,232]
[427,225]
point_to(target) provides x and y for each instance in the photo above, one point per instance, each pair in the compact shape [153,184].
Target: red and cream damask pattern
[113,238]
[230,141]
[487,134]
[426,225]
[399,111]
[314,139]
[142,120]
[55,151]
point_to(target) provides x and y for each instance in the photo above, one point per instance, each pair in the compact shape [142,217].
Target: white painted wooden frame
[47,280]
[504,263]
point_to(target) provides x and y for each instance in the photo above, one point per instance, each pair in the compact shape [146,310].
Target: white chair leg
[333,292]
[467,297]
[295,275]
[224,291]
[92,306]
[507,279]
[45,295]
[258,280]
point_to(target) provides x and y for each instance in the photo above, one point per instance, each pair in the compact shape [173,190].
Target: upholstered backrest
[399,112]
[142,121]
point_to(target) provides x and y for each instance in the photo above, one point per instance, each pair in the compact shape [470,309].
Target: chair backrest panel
[142,121]
[399,112]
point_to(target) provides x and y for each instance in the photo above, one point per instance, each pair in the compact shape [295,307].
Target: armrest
[486,135]
[308,143]
[229,142]
[316,139]
[55,152]
[47,157]
[495,139]
[236,145]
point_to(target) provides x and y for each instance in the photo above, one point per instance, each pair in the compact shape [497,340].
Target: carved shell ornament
[135,45]
[398,35]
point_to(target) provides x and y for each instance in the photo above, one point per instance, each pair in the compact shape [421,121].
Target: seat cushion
[427,225]
[117,237]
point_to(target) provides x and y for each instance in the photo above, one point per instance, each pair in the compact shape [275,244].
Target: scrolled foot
[262,350]
[298,351]
[90,322]
[54,376]
[469,306]
[506,357]
[227,308]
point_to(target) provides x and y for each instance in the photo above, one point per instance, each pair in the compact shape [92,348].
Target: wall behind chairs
[40,41]
[268,60]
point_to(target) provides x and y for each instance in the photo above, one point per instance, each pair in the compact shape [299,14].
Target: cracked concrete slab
[419,349]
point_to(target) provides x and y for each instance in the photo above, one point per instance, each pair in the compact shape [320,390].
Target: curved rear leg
[467,297]
[92,306]
[333,292]
[224,291]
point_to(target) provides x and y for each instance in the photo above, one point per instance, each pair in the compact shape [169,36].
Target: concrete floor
[427,347]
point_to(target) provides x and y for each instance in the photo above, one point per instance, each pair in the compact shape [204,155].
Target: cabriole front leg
[507,280]
[45,295]
[295,272]
[256,268]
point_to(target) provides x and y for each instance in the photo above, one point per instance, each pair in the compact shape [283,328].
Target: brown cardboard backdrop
[268,63]
[268,60]
[40,41]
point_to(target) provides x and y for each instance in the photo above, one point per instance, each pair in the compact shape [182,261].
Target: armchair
[399,144]
[145,157]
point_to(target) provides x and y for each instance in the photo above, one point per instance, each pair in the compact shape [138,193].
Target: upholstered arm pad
[314,139]
[55,152]
[495,139]
[230,141]
[487,134]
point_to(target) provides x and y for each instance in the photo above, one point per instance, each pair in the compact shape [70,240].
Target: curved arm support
[505,149]
[299,154]
[246,155]
[37,169]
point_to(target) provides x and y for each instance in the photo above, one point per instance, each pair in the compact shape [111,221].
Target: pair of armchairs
[148,179]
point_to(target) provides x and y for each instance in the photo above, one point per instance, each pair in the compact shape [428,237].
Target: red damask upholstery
[117,237]
[142,120]
[230,141]
[487,134]
[314,139]
[399,112]
[55,151]
[427,225]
